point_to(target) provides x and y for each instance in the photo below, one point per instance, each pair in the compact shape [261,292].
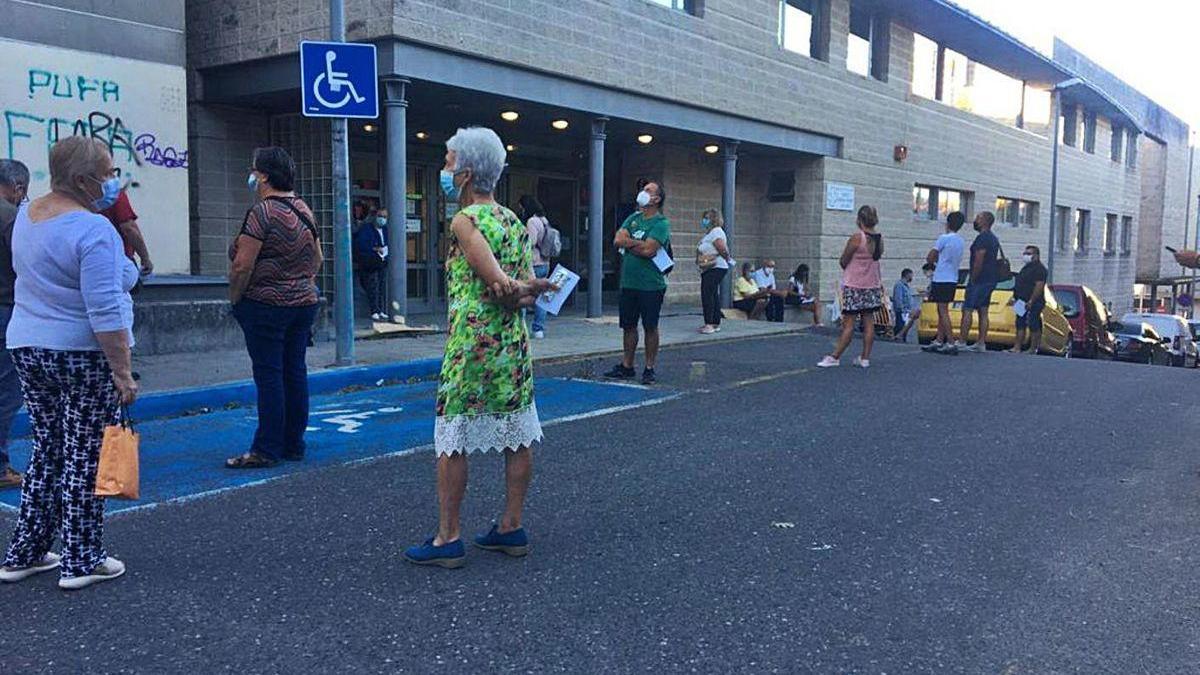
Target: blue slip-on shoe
[452,555]
[514,543]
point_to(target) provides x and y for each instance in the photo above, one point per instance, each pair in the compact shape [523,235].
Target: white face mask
[929,275]
[1028,258]
[769,270]
[643,199]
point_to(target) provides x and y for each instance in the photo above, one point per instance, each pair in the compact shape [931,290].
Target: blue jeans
[539,314]
[277,339]
[10,387]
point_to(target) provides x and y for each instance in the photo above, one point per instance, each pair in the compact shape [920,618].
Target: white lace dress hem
[469,434]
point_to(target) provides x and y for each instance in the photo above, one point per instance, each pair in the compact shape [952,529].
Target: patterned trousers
[71,398]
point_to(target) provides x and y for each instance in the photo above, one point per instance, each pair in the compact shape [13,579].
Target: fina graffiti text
[45,87]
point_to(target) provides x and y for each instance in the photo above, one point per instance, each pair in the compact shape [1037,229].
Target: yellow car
[1002,320]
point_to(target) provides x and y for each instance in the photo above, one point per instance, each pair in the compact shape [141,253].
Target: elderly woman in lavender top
[70,336]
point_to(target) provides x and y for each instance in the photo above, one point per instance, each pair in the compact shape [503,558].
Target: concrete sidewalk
[566,337]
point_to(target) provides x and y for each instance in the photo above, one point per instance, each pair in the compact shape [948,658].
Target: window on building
[1110,234]
[1035,116]
[1131,149]
[800,24]
[781,186]
[1083,222]
[1126,235]
[921,201]
[948,202]
[1016,212]
[975,88]
[689,6]
[925,61]
[1118,143]
[1069,126]
[1062,219]
[1089,132]
[935,203]
[858,51]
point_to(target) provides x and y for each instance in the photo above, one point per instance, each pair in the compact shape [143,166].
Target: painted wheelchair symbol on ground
[182,457]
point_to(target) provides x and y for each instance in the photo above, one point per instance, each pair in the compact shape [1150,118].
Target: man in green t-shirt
[642,236]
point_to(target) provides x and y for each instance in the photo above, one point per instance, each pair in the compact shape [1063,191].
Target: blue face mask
[252,182]
[110,190]
[705,223]
[448,186]
[381,221]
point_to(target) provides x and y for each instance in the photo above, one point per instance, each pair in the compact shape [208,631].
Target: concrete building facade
[808,108]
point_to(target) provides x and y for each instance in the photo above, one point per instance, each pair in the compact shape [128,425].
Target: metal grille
[307,140]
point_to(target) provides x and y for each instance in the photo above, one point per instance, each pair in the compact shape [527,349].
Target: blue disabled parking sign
[338,79]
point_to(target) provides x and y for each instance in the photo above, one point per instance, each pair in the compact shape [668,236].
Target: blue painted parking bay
[184,456]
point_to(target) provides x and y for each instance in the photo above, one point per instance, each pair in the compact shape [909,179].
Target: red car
[1089,320]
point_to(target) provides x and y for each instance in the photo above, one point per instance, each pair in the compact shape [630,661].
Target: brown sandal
[250,460]
[10,479]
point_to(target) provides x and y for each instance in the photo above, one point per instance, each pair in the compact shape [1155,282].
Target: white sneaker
[708,330]
[978,348]
[861,362]
[11,575]
[539,335]
[829,362]
[110,569]
[960,345]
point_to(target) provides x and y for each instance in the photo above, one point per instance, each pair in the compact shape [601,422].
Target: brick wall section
[730,61]
[221,140]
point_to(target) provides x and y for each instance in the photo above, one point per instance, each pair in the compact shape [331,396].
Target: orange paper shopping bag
[118,472]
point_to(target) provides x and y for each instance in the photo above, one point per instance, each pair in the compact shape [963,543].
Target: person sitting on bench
[800,294]
[764,277]
[747,296]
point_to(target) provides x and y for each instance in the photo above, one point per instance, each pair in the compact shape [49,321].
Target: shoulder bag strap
[308,223]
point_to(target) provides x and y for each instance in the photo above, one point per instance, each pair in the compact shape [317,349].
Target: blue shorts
[1033,317]
[979,296]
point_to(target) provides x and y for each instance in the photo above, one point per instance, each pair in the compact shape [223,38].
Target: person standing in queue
[14,189]
[123,217]
[536,225]
[485,396]
[712,255]
[370,257]
[862,288]
[273,291]
[70,337]
[1030,291]
[904,305]
[643,284]
[945,256]
[981,282]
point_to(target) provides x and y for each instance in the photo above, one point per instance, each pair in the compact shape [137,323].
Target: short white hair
[480,150]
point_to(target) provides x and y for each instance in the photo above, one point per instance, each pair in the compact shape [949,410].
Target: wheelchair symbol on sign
[335,81]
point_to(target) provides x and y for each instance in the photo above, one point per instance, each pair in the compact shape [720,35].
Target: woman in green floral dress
[485,396]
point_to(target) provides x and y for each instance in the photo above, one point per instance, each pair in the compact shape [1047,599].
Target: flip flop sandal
[250,460]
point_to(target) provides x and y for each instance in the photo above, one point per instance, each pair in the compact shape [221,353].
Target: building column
[728,207]
[396,194]
[595,299]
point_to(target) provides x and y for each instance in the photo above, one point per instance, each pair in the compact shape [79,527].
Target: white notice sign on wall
[839,197]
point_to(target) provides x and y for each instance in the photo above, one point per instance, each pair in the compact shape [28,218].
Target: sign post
[339,81]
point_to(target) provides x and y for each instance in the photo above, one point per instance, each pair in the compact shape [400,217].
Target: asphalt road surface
[975,514]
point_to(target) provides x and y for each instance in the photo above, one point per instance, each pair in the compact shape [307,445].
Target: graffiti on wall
[136,108]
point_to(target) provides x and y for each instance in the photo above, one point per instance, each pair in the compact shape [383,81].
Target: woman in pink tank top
[862,288]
